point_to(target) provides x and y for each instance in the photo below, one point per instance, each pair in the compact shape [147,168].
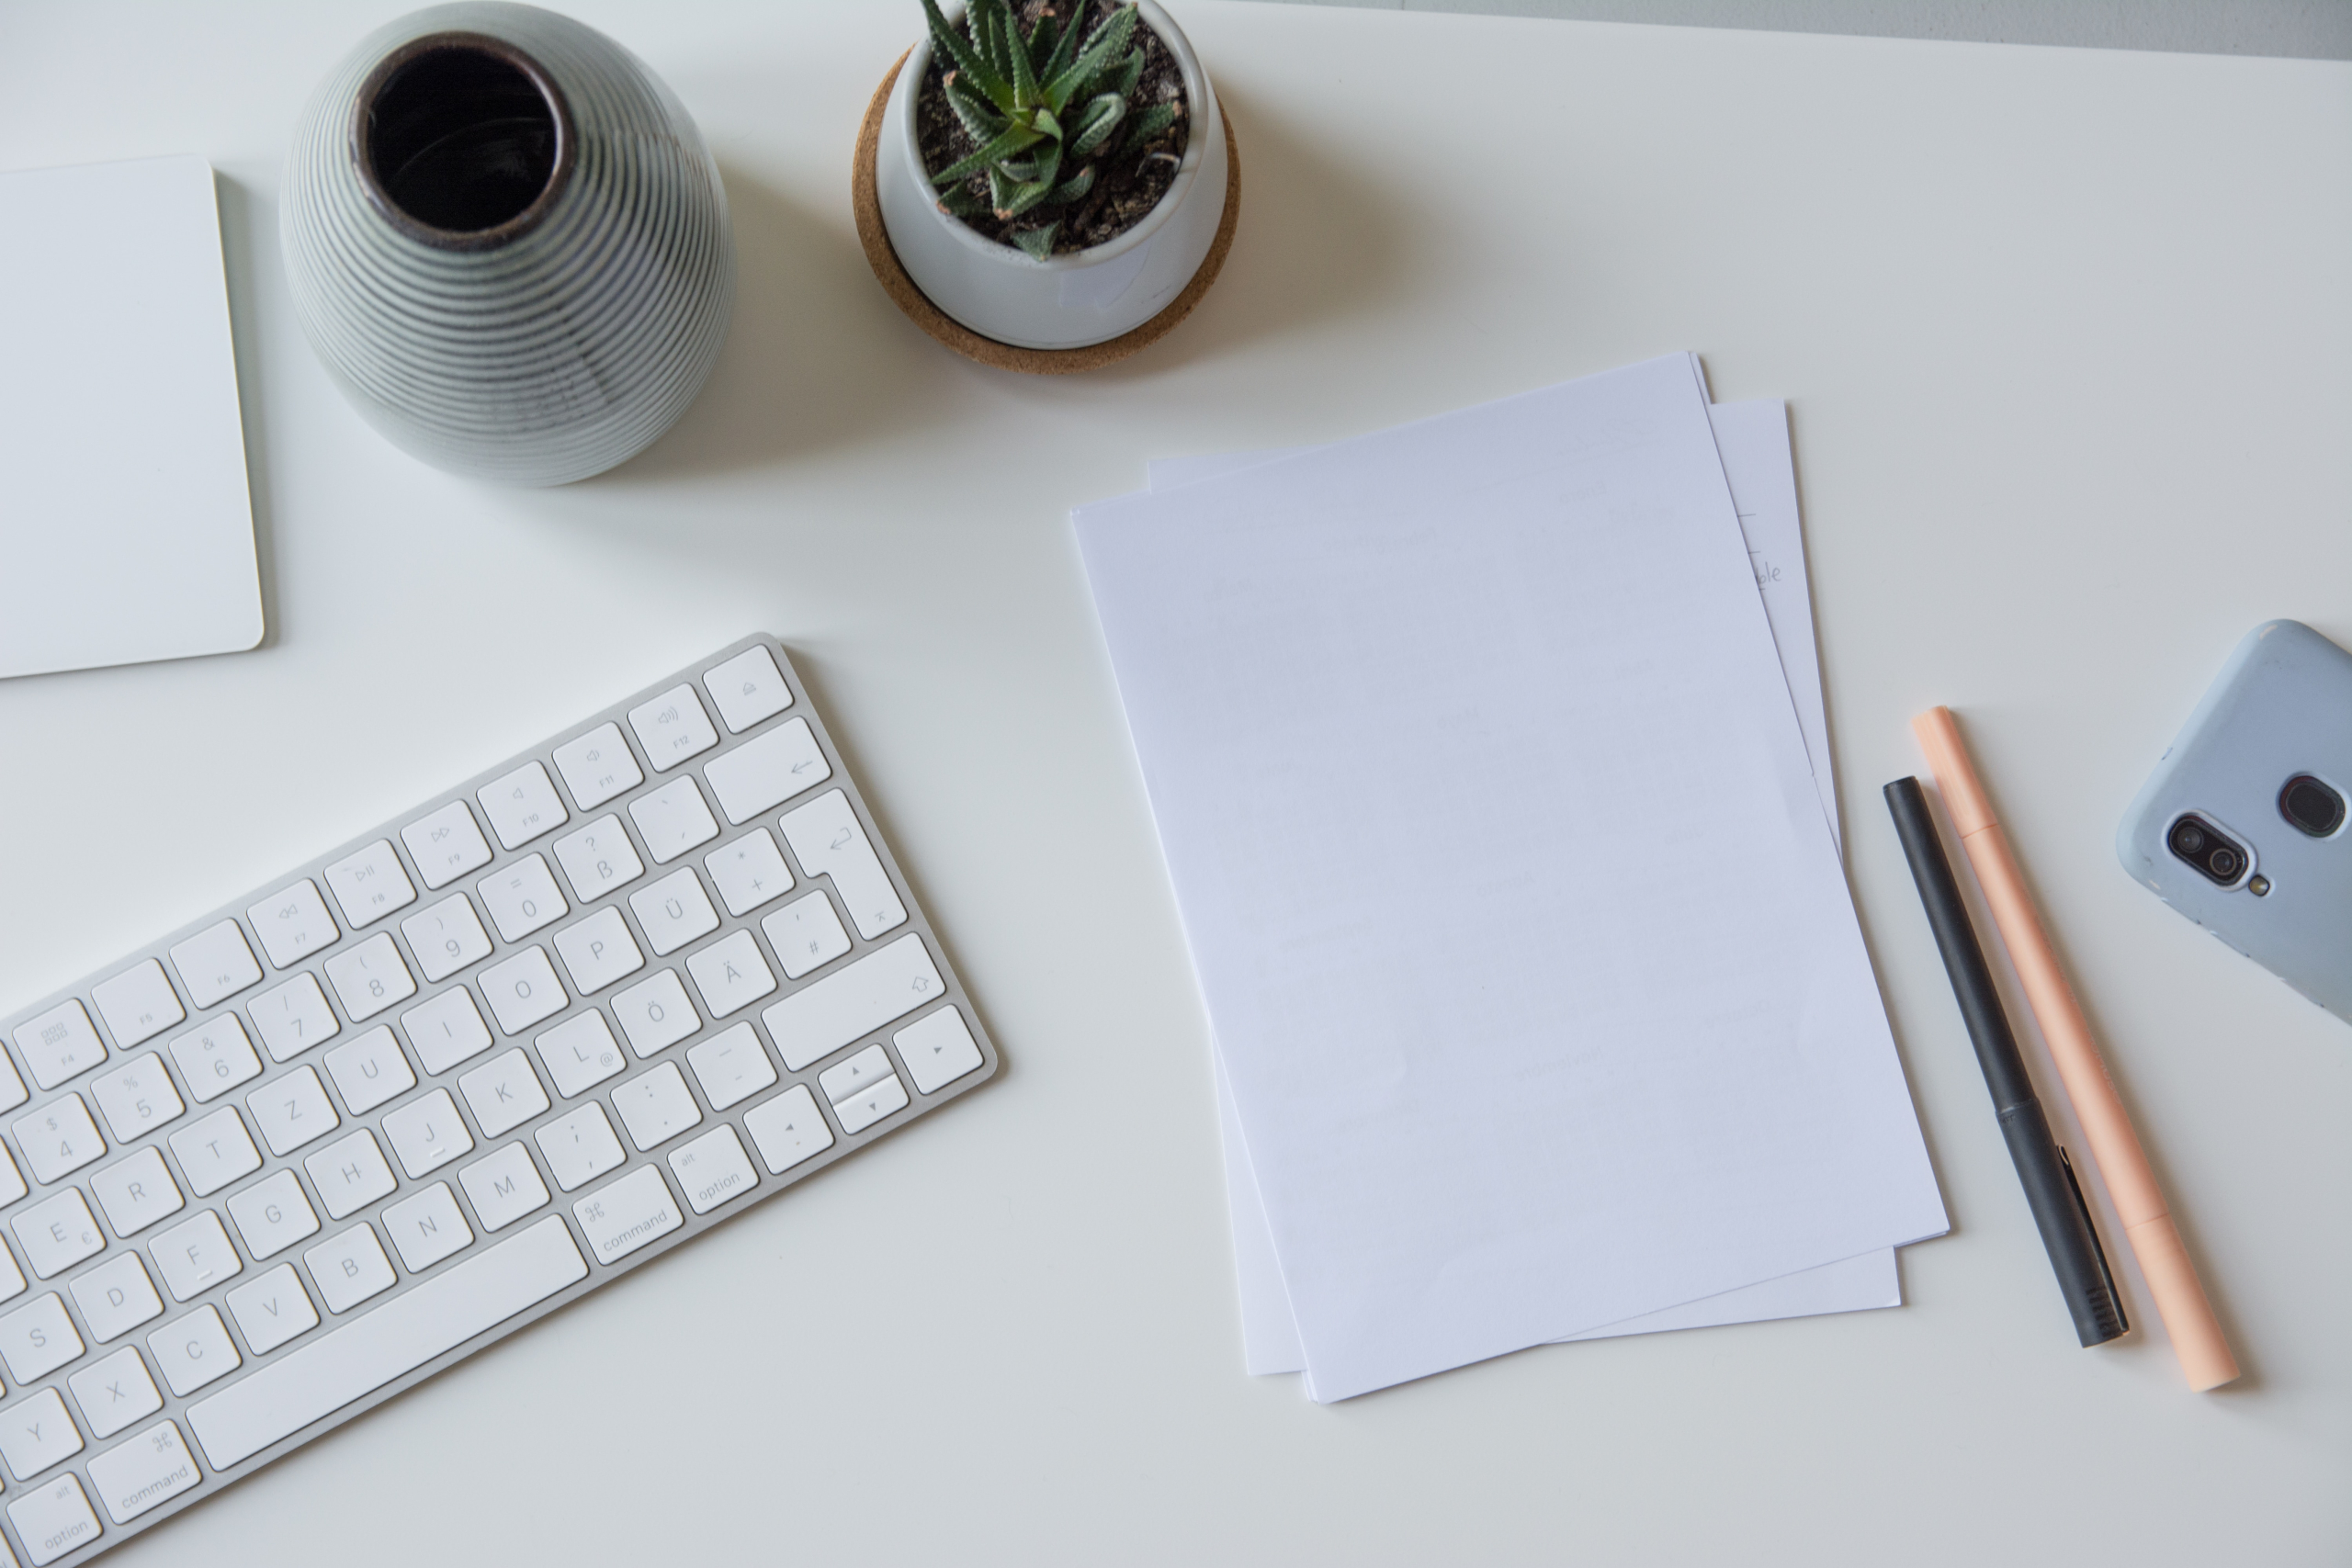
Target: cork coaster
[988,350]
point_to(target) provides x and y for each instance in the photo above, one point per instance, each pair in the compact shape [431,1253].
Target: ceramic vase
[508,242]
[1065,301]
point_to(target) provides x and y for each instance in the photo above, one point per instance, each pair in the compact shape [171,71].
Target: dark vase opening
[465,138]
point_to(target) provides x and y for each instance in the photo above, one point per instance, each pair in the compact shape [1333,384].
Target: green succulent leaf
[1015,139]
[988,23]
[969,67]
[1096,121]
[1073,188]
[959,201]
[981,118]
[1065,44]
[1148,124]
[1109,40]
[1122,78]
[1038,243]
[1024,69]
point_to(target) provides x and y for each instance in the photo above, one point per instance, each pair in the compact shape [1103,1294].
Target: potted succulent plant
[1051,174]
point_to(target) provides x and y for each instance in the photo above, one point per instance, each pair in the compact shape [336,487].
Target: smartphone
[2243,826]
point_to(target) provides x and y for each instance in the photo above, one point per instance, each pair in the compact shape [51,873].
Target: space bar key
[399,1336]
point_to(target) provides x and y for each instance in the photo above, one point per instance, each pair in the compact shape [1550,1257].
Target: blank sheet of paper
[1590,1033]
[125,532]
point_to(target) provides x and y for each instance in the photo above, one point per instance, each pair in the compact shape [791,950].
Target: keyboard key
[428,1227]
[272,1216]
[196,1256]
[193,1352]
[805,934]
[137,1192]
[350,1174]
[937,1049]
[369,884]
[598,858]
[37,1338]
[579,1147]
[504,1187]
[657,1105]
[370,1070]
[117,1297]
[446,937]
[217,1058]
[60,1043]
[136,1004]
[145,1472]
[673,820]
[580,1052]
[138,1096]
[504,1093]
[427,1134]
[672,727]
[58,1139]
[868,1106]
[295,1016]
[788,1129]
[747,689]
[293,925]
[447,1029]
[12,1182]
[292,1111]
[825,1015]
[713,1168]
[273,1310]
[522,897]
[445,844]
[768,772]
[365,1354]
[749,873]
[215,963]
[671,913]
[37,1433]
[730,974]
[730,1066]
[521,805]
[53,1521]
[367,978]
[844,1079]
[523,990]
[348,1269]
[622,1217]
[597,766]
[115,1393]
[827,841]
[598,951]
[655,1014]
[56,1233]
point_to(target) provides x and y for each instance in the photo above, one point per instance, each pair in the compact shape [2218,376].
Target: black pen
[2051,1189]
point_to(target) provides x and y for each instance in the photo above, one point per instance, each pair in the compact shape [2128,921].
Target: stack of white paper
[1505,868]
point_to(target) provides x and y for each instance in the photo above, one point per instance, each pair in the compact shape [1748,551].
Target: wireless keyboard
[400,1101]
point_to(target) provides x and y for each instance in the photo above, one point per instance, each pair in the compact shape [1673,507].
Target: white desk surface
[2066,334]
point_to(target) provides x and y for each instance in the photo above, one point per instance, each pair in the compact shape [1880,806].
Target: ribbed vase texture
[553,355]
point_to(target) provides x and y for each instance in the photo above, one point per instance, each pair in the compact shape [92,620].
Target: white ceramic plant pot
[1065,301]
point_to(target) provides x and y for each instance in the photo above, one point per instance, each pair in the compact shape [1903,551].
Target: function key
[215,963]
[598,766]
[672,727]
[446,845]
[293,925]
[136,1004]
[747,689]
[370,885]
[59,1043]
[521,805]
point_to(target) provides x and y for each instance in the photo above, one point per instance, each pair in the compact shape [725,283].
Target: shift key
[819,1019]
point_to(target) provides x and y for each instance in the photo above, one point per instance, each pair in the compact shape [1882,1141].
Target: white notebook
[1503,867]
[126,531]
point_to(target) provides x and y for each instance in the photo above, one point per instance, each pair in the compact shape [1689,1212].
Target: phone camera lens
[2189,840]
[2312,804]
[2223,864]
[2216,856]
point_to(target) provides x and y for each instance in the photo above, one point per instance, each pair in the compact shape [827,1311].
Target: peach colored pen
[2147,1223]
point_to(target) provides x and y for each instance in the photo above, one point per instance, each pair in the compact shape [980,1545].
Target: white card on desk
[1504,872]
[1752,437]
[126,531]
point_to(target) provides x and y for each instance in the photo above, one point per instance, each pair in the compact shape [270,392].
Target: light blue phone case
[2280,710]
